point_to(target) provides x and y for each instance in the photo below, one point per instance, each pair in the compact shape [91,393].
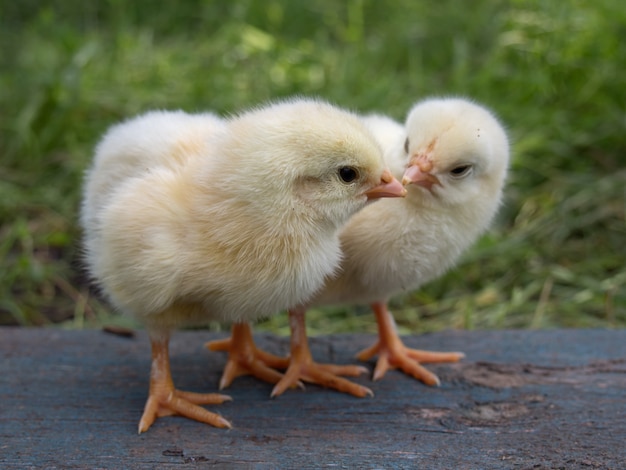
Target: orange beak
[388,187]
[419,172]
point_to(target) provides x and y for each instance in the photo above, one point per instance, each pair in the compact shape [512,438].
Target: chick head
[457,153]
[320,158]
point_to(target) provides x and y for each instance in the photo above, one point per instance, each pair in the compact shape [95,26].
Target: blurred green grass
[553,72]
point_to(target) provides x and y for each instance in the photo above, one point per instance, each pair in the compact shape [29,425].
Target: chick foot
[302,367]
[392,353]
[165,400]
[244,358]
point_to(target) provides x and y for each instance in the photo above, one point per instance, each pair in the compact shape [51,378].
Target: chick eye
[461,171]
[348,174]
[406,145]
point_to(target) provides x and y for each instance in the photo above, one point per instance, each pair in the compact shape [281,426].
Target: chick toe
[392,353]
[245,358]
[302,367]
[165,400]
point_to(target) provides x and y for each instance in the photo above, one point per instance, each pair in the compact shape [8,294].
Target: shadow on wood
[521,399]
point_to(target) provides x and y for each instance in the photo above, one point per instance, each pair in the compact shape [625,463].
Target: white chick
[454,155]
[190,219]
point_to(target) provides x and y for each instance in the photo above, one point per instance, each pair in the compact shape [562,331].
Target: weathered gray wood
[541,399]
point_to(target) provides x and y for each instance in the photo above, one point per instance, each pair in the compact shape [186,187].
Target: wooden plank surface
[521,399]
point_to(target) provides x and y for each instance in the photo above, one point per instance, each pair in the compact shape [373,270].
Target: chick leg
[165,400]
[245,358]
[302,366]
[392,353]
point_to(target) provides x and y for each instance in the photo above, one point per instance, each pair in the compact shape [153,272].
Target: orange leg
[392,353]
[302,366]
[165,400]
[245,358]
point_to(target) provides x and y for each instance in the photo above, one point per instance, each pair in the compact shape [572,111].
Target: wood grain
[521,399]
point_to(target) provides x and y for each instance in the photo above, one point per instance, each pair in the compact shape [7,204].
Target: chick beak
[419,172]
[388,187]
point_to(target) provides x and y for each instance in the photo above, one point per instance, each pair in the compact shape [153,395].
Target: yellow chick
[453,155]
[190,219]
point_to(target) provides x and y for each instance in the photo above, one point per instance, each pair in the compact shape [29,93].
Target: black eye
[461,170]
[406,145]
[348,174]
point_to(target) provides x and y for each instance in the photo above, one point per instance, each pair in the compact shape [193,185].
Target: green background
[553,71]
